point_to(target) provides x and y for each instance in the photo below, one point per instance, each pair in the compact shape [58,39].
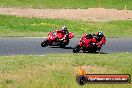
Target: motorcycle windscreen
[53,33]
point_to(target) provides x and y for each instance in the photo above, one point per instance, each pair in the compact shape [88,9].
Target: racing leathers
[100,40]
[64,33]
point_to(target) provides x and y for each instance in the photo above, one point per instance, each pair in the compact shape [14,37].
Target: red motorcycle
[56,37]
[86,44]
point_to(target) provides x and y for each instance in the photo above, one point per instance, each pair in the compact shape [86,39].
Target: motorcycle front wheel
[44,43]
[76,49]
[93,50]
[63,43]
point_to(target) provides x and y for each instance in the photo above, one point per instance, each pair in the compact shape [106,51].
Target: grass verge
[22,26]
[59,70]
[118,4]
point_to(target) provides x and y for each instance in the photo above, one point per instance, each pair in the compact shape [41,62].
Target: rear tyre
[76,49]
[44,43]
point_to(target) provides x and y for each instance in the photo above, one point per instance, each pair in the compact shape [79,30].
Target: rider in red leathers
[100,39]
[61,37]
[97,39]
[65,33]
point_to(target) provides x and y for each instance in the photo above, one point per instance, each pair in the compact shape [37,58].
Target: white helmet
[100,33]
[64,28]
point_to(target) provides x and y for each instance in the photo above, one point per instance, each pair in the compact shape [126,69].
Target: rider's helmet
[89,36]
[64,29]
[100,33]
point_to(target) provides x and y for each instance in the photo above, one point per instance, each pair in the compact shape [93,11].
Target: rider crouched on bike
[65,33]
[97,39]
[99,36]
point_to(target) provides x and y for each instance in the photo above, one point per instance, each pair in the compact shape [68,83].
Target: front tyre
[76,49]
[63,43]
[93,50]
[44,43]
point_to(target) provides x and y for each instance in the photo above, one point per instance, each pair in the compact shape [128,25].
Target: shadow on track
[100,53]
[94,53]
[60,47]
[78,52]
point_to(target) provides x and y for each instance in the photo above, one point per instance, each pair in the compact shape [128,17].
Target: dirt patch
[94,14]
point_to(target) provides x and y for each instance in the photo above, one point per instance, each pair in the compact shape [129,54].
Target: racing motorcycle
[56,37]
[86,45]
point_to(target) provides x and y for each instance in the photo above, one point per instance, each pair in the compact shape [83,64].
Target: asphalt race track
[32,46]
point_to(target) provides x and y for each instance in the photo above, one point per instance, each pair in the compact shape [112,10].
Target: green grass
[59,70]
[21,26]
[118,4]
